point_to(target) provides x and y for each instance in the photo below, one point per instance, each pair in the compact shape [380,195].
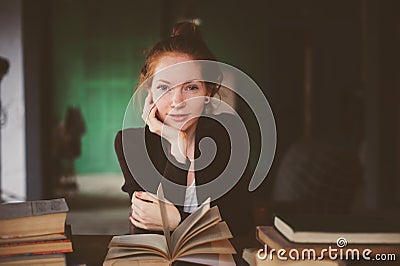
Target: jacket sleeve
[130,185]
[175,174]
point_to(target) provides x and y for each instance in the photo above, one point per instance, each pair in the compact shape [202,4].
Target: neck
[191,133]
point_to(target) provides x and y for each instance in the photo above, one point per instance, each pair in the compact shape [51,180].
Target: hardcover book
[43,217]
[33,238]
[40,247]
[356,229]
[42,260]
[201,238]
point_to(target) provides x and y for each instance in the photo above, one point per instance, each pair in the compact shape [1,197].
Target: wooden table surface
[89,250]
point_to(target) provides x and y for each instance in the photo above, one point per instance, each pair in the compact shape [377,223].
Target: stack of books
[311,239]
[201,238]
[33,233]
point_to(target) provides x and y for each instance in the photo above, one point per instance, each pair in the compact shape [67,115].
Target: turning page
[164,218]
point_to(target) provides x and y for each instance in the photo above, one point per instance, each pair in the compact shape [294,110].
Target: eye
[162,87]
[191,88]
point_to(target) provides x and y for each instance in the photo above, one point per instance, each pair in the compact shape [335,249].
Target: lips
[178,117]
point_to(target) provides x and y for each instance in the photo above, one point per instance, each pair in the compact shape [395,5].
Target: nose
[177,97]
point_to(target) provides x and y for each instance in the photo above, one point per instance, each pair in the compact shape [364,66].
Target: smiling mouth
[178,117]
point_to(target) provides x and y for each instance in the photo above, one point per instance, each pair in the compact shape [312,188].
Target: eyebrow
[163,80]
[187,81]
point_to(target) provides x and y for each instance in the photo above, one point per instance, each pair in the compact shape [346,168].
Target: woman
[174,114]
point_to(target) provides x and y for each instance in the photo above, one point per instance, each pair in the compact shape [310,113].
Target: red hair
[184,39]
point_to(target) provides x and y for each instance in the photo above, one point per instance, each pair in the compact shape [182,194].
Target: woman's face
[178,92]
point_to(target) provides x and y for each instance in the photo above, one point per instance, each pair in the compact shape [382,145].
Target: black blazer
[235,206]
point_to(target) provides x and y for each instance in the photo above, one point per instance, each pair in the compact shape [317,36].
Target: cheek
[162,102]
[197,106]
[163,108]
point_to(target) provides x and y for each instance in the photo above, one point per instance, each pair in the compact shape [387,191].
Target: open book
[201,238]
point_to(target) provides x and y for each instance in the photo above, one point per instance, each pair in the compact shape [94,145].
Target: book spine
[33,243]
[14,237]
[37,253]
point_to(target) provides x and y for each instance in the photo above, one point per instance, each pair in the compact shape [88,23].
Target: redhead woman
[174,113]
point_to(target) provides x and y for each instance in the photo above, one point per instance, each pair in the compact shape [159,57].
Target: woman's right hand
[146,214]
[175,137]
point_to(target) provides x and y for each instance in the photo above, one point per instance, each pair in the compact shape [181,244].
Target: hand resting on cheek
[175,137]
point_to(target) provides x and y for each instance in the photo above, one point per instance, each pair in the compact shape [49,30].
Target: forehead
[176,69]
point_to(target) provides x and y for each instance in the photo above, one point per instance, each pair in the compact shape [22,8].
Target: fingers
[141,217]
[138,209]
[152,113]
[148,106]
[145,211]
[142,204]
[137,217]
[149,98]
[148,101]
[138,224]
[154,124]
[146,196]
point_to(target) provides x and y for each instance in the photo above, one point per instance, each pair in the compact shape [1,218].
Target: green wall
[97,52]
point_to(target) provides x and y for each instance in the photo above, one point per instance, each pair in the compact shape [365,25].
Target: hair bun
[187,29]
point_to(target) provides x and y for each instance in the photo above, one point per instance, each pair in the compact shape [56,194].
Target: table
[89,250]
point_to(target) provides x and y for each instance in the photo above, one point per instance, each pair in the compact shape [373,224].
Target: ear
[208,92]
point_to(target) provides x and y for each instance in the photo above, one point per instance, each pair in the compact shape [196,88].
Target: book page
[215,233]
[216,247]
[121,252]
[189,222]
[164,218]
[136,261]
[152,241]
[210,259]
[13,228]
[211,218]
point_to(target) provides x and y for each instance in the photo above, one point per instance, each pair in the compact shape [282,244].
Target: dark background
[330,70]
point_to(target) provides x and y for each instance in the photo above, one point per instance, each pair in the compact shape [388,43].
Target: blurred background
[330,70]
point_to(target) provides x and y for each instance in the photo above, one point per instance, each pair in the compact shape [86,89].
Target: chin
[182,126]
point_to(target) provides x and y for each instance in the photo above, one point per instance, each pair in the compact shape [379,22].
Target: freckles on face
[178,91]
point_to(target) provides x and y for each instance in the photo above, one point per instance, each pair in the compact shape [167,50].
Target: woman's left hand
[175,137]
[146,212]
